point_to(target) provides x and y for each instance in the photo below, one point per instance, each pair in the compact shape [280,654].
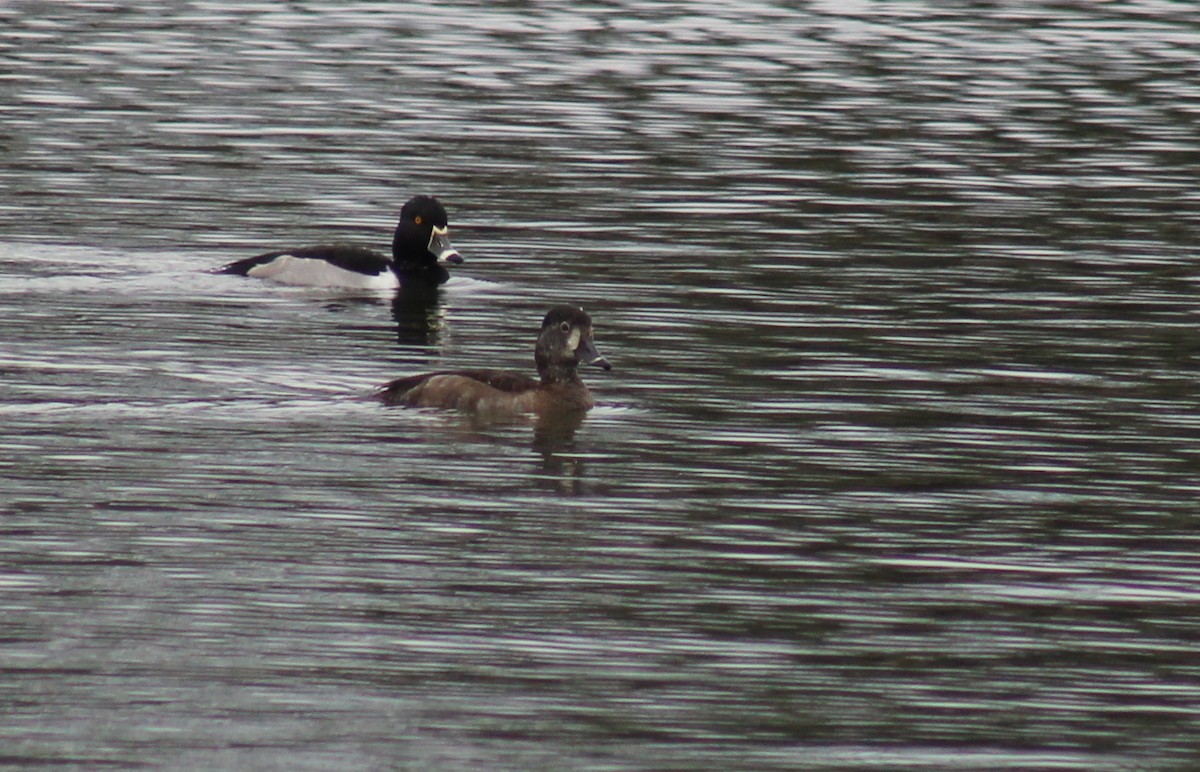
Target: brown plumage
[564,343]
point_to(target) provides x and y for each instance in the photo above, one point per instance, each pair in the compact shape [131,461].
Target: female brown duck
[563,344]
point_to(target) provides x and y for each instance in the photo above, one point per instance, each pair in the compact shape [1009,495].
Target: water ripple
[895,468]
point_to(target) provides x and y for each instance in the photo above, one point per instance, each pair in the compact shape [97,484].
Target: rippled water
[897,466]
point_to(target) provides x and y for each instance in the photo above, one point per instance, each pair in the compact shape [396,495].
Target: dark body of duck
[420,250]
[565,342]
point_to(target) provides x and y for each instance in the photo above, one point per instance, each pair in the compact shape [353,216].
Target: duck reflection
[560,467]
[418,316]
[563,469]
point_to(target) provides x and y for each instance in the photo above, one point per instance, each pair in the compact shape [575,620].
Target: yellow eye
[418,219]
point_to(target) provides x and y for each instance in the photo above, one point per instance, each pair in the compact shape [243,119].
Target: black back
[351,258]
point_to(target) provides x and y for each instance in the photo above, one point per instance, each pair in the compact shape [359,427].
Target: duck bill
[588,355]
[440,247]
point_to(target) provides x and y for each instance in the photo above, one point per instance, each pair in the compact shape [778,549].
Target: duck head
[422,241]
[565,342]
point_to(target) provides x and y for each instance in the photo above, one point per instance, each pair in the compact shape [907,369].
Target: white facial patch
[573,341]
[439,244]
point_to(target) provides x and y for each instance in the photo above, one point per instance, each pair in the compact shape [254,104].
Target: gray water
[897,467]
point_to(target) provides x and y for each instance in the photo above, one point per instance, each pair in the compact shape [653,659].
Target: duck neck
[432,275]
[412,260]
[557,372]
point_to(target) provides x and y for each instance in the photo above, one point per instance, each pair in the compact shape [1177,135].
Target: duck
[420,251]
[566,340]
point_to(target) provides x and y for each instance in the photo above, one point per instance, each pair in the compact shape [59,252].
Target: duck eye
[565,326]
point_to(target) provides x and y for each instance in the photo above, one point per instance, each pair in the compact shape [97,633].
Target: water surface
[896,468]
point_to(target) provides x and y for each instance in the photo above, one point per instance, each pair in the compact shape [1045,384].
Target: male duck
[420,248]
[563,344]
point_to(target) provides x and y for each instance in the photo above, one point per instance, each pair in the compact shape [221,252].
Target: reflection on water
[417,315]
[897,468]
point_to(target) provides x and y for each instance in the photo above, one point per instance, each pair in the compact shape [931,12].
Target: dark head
[421,245]
[564,343]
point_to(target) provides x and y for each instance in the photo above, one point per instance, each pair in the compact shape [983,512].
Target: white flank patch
[309,272]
